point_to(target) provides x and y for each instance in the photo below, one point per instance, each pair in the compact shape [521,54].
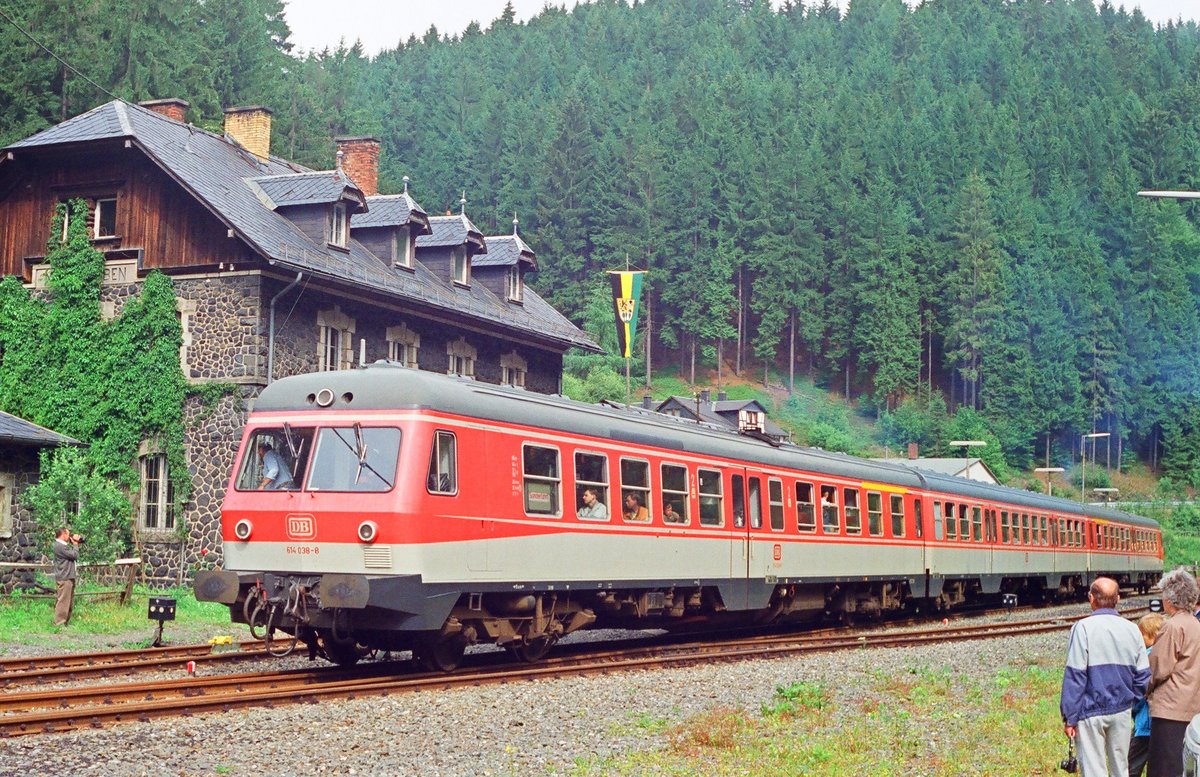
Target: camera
[1070,764]
[78,539]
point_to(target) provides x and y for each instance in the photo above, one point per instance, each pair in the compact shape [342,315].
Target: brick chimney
[251,127]
[360,162]
[912,451]
[171,107]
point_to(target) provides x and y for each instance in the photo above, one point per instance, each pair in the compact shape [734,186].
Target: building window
[8,490]
[513,369]
[335,341]
[402,248]
[157,506]
[184,310]
[403,345]
[337,225]
[462,358]
[515,287]
[462,266]
[101,217]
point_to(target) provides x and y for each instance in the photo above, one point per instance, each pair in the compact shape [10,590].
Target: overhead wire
[46,49]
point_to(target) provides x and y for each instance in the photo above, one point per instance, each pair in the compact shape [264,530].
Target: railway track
[39,712]
[71,667]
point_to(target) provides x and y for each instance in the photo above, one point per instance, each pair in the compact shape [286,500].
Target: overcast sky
[379,24]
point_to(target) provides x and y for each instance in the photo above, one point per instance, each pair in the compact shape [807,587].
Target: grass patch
[917,721]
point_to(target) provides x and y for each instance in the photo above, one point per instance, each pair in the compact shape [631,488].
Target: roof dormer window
[337,225]
[515,287]
[404,247]
[462,266]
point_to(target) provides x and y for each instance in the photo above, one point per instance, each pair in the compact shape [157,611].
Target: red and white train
[430,513]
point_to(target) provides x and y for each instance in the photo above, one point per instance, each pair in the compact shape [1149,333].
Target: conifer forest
[902,204]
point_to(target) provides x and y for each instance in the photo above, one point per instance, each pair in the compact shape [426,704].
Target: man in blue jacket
[1107,671]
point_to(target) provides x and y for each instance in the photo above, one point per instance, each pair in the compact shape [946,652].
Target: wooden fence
[115,579]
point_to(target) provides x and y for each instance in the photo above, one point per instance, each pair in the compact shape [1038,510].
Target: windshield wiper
[360,450]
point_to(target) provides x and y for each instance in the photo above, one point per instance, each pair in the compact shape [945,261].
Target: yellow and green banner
[627,290]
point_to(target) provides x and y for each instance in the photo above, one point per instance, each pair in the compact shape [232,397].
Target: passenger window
[964,524]
[937,520]
[591,475]
[543,479]
[1024,529]
[897,515]
[1045,536]
[739,501]
[977,524]
[355,458]
[853,513]
[1004,526]
[675,493]
[775,499]
[951,526]
[830,521]
[710,497]
[806,514]
[917,517]
[275,459]
[635,490]
[443,465]
[875,513]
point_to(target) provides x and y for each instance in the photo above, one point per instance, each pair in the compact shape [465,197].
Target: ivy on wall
[112,384]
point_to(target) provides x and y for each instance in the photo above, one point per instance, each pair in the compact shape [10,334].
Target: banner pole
[628,392]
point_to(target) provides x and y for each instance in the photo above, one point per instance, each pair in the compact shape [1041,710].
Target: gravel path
[535,728]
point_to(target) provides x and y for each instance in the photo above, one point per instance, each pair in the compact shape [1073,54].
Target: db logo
[778,552]
[301,527]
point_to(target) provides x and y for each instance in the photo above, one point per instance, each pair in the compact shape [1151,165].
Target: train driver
[592,506]
[275,473]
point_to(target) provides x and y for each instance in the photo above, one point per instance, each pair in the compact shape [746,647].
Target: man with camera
[66,551]
[1107,671]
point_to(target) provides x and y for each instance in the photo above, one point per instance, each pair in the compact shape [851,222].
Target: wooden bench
[120,574]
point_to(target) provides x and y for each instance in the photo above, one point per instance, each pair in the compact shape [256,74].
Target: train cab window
[853,511]
[937,521]
[775,503]
[355,458]
[951,523]
[739,501]
[977,524]
[710,497]
[897,515]
[275,459]
[443,465]
[875,513]
[1004,538]
[675,493]
[591,474]
[806,513]
[830,520]
[964,524]
[543,479]
[635,490]
[754,497]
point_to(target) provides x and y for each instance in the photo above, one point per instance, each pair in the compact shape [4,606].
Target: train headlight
[367,531]
[324,397]
[242,529]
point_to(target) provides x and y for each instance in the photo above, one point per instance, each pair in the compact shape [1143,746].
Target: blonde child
[1139,744]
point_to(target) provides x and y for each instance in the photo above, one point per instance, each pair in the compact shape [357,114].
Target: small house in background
[20,443]
[740,415]
[971,469]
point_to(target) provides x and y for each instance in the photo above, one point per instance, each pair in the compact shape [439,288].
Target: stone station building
[278,270]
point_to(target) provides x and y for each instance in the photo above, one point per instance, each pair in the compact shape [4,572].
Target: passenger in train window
[634,509]
[829,509]
[593,508]
[670,515]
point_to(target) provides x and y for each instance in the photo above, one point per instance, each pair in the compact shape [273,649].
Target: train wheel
[441,655]
[343,652]
[534,650]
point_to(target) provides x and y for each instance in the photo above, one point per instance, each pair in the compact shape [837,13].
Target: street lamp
[1048,471]
[965,444]
[1083,461]
[1171,195]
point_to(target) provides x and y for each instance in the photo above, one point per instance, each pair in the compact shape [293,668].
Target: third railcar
[430,512]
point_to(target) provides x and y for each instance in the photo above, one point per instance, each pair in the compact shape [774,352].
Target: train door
[762,553]
[739,548]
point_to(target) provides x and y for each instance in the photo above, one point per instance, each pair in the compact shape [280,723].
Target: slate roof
[220,174]
[454,230]
[724,412]
[505,251]
[317,188]
[390,210]
[18,431]
[970,468]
